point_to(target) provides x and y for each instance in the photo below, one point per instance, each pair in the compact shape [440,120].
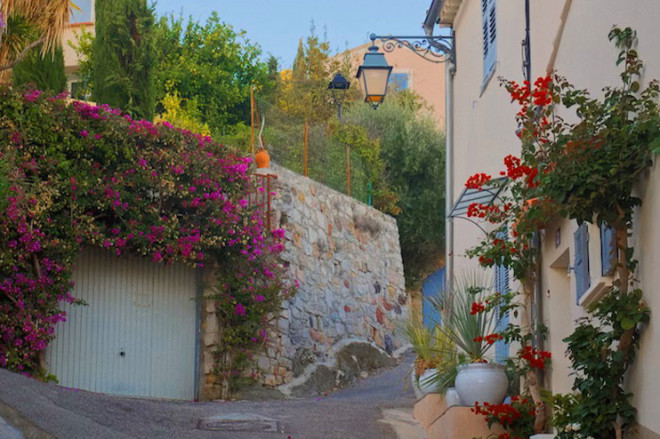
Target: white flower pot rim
[482,366]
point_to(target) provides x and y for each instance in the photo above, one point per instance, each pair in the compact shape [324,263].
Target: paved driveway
[46,410]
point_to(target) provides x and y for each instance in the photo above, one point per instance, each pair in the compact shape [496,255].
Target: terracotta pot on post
[262,159]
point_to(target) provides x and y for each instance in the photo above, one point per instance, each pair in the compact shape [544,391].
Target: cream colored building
[82,19]
[410,71]
[571,37]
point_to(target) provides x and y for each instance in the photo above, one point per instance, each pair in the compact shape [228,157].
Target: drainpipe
[449,174]
[429,23]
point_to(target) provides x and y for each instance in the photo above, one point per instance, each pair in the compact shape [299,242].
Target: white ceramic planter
[425,381]
[481,382]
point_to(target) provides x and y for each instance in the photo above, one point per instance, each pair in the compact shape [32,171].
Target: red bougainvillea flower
[534,357]
[476,308]
[477,181]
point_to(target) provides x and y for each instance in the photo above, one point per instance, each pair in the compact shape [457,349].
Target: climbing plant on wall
[76,174]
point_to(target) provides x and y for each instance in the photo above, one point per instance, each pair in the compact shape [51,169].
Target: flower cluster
[540,93]
[490,338]
[477,181]
[535,358]
[492,213]
[515,170]
[476,308]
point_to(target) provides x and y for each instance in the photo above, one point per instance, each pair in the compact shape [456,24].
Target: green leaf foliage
[412,149]
[123,57]
[599,367]
[213,64]
[43,71]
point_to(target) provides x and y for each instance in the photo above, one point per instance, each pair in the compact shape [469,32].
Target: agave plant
[467,330]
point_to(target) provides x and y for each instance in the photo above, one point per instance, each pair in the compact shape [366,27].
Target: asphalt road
[47,410]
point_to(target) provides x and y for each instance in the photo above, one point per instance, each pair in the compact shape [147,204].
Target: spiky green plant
[463,327]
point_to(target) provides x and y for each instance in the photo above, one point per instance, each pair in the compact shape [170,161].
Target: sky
[277,25]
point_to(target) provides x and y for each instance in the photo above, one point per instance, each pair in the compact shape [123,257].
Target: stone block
[429,408]
[461,423]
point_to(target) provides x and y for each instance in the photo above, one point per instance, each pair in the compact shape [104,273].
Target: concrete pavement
[376,407]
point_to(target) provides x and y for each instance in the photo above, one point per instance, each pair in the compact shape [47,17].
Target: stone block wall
[347,260]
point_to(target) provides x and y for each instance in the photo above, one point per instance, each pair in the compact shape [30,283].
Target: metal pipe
[449,174]
[528,50]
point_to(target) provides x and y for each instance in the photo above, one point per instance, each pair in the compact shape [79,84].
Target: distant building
[81,19]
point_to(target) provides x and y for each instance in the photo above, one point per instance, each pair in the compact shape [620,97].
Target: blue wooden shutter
[581,263]
[488,35]
[607,249]
[502,287]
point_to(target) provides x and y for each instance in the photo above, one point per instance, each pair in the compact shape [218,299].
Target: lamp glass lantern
[338,87]
[374,75]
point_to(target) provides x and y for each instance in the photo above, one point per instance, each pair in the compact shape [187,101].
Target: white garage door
[137,334]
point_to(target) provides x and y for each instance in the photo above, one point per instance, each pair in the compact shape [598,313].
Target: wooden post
[252,121]
[305,148]
[348,170]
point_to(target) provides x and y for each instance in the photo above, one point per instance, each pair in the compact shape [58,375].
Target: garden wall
[347,260]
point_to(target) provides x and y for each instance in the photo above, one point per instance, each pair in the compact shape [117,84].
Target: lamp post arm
[434,48]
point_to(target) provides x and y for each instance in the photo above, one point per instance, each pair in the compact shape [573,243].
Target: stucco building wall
[484,132]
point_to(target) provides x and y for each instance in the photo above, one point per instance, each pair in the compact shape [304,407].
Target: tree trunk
[531,380]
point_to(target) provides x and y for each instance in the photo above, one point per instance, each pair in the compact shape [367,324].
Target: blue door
[433,286]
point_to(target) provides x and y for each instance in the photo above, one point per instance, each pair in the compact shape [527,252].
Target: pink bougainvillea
[78,174]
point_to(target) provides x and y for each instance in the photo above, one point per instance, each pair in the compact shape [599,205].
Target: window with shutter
[608,253]
[581,262]
[489,36]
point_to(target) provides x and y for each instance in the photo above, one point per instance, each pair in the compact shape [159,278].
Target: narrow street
[373,408]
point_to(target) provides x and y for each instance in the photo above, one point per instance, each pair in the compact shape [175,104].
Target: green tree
[27,24]
[304,92]
[212,64]
[45,71]
[122,56]
[184,116]
[412,149]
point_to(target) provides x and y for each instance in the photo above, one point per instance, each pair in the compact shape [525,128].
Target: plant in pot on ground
[473,334]
[437,358]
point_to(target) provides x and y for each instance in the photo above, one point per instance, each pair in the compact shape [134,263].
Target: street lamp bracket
[434,48]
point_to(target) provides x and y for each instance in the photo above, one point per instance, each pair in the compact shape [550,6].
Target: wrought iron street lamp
[338,87]
[374,75]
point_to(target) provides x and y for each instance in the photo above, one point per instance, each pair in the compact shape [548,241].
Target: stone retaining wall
[347,260]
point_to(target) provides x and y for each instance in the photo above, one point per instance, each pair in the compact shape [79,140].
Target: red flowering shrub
[517,417]
[79,174]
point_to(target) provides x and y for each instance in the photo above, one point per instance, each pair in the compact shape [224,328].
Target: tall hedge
[123,57]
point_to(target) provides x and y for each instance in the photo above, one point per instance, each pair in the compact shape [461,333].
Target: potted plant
[437,357]
[471,330]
